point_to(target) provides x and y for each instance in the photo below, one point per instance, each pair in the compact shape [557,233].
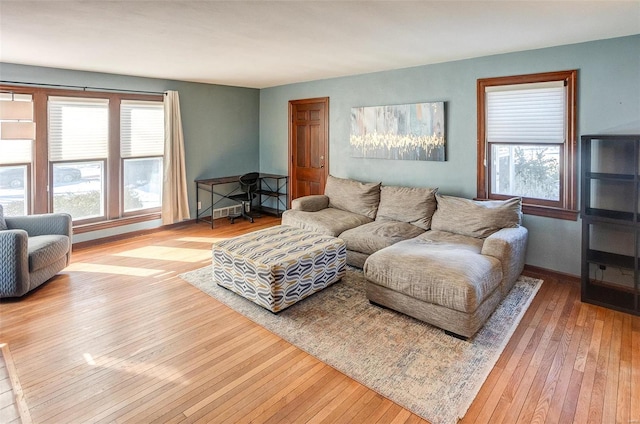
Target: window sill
[113,223]
[550,212]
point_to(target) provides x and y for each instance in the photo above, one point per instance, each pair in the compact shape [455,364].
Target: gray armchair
[32,250]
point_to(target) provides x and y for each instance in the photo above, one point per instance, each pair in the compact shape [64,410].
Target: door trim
[291,118]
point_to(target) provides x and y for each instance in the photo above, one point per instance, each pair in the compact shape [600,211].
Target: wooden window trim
[567,208]
[114,223]
[39,199]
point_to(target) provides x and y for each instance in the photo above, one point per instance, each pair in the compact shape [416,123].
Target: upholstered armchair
[32,250]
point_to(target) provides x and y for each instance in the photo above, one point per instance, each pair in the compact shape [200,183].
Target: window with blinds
[532,113]
[525,123]
[78,128]
[98,155]
[141,129]
[78,145]
[526,149]
[15,176]
[16,154]
[15,151]
[141,150]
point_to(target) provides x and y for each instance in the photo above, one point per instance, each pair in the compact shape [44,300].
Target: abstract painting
[406,132]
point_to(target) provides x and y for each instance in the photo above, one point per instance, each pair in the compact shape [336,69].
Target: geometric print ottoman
[278,266]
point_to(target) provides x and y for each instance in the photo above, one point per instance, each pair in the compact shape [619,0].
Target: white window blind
[141,129]
[78,128]
[531,113]
[15,151]
[16,107]
[18,97]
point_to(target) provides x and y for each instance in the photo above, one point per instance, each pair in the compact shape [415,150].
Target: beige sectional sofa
[444,260]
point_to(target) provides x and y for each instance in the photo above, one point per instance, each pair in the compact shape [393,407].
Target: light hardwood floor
[118,337]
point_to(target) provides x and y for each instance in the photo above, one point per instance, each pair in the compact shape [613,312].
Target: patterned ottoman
[278,266]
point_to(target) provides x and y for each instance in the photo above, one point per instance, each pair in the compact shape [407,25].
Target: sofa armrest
[14,263]
[509,246]
[45,224]
[311,203]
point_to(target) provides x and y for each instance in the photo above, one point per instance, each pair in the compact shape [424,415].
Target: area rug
[411,363]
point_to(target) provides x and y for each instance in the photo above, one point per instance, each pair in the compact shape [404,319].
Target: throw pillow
[353,196]
[475,218]
[3,223]
[414,205]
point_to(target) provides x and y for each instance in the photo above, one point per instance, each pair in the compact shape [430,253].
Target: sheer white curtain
[175,203]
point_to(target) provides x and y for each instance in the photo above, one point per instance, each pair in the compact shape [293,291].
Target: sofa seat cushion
[452,241]
[329,221]
[46,250]
[443,273]
[371,237]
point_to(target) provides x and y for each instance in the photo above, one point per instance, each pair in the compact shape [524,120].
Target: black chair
[248,186]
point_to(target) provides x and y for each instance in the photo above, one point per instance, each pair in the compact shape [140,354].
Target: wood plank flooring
[9,400]
[119,338]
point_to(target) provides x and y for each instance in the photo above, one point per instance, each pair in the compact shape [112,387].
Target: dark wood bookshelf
[596,152]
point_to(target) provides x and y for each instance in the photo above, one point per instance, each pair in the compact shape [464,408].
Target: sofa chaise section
[455,275]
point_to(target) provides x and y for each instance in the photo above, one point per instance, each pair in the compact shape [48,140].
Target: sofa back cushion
[414,205]
[475,218]
[353,196]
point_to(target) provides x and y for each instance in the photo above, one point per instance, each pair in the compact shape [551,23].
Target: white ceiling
[268,43]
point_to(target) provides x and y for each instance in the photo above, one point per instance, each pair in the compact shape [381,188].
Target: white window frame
[152,147]
[79,148]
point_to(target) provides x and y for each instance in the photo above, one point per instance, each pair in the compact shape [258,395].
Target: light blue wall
[220,123]
[230,130]
[608,99]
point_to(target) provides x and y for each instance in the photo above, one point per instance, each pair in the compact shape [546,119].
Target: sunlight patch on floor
[89,359]
[113,269]
[132,366]
[179,254]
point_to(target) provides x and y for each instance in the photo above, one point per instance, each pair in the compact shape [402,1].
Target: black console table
[272,186]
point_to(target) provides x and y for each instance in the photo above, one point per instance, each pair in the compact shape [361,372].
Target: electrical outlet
[199,205]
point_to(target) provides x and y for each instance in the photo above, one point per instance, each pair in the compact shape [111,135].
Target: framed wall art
[406,132]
